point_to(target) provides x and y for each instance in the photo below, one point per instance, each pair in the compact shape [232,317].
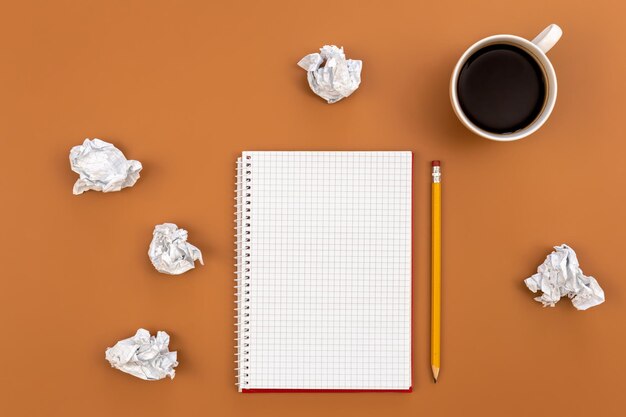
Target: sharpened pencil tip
[435,373]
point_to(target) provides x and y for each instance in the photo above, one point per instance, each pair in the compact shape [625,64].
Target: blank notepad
[324,271]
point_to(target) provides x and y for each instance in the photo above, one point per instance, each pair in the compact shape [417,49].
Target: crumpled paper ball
[102,167]
[560,276]
[338,78]
[169,252]
[144,356]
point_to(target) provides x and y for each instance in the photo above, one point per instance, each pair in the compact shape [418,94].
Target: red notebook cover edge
[307,390]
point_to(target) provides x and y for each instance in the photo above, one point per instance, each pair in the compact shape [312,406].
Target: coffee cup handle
[548,38]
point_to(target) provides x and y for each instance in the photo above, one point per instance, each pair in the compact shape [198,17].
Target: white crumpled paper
[338,78]
[170,252]
[560,276]
[144,356]
[102,167]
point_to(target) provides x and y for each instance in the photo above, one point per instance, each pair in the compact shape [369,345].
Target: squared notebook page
[330,271]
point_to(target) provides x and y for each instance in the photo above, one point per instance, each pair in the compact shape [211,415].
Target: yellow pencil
[435,302]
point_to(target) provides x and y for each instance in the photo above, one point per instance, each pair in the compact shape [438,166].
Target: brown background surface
[184,87]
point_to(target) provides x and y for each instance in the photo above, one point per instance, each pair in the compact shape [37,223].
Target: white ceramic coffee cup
[537,48]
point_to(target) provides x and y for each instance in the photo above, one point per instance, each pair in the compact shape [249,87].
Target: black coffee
[501,88]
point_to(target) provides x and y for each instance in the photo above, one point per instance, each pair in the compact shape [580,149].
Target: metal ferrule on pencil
[436,174]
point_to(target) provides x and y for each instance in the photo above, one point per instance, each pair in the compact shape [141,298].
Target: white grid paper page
[330,270]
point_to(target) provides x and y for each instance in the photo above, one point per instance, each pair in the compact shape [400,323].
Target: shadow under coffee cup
[504,87]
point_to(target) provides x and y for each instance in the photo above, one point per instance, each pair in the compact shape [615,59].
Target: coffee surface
[501,88]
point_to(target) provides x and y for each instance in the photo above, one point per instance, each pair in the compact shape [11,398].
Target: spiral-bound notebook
[324,271]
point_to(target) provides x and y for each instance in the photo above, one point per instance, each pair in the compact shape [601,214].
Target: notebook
[324,271]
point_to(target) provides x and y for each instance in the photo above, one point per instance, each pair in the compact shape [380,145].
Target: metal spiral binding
[242,269]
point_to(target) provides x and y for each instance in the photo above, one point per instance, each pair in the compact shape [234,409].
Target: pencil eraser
[436,163]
